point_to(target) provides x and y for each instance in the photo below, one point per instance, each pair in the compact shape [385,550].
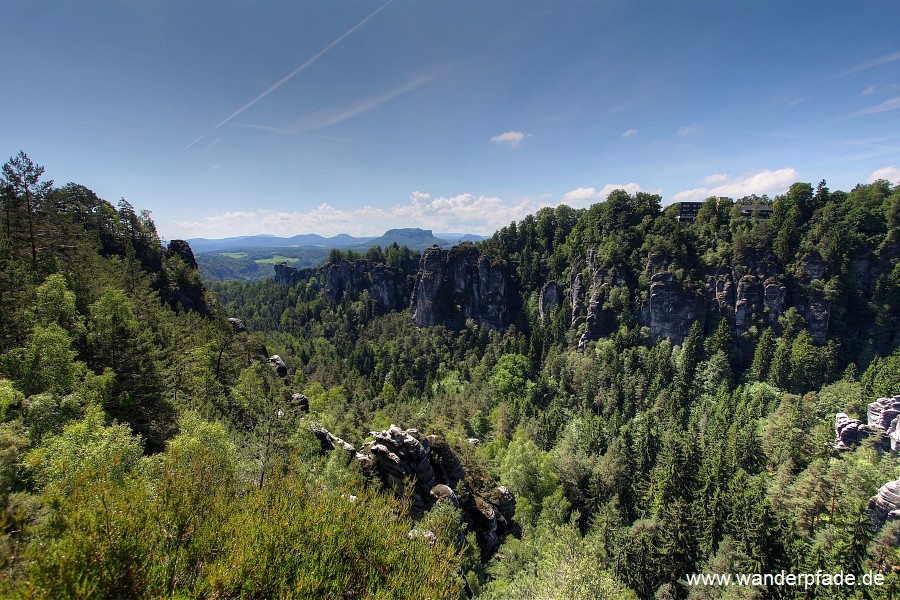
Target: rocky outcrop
[850,432]
[300,401]
[670,309]
[748,304]
[590,287]
[287,275]
[884,506]
[387,286]
[883,425]
[721,292]
[549,299]
[183,250]
[329,441]
[237,326]
[774,295]
[277,363]
[396,458]
[455,285]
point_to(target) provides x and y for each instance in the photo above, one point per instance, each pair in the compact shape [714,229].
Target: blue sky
[237,117]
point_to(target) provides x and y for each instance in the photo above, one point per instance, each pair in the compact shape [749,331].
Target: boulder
[442,493]
[278,364]
[301,401]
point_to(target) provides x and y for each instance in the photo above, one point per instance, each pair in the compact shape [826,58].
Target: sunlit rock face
[399,458]
[883,425]
[453,286]
[884,506]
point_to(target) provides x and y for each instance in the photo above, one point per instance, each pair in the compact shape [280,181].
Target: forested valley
[592,403]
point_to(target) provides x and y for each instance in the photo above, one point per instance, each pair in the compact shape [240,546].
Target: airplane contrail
[299,69]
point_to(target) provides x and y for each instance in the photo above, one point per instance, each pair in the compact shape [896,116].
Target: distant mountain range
[414,238]
[251,258]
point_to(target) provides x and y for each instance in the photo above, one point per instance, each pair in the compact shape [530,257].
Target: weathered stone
[329,441]
[748,303]
[671,310]
[884,506]
[397,456]
[442,493]
[720,286]
[447,468]
[183,250]
[300,401]
[774,295]
[549,299]
[812,268]
[883,411]
[455,285]
[237,326]
[278,364]
[851,432]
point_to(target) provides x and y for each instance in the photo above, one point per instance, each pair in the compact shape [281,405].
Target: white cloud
[463,212]
[715,178]
[333,117]
[891,174]
[629,133]
[868,91]
[584,196]
[892,104]
[760,182]
[688,130]
[511,138]
[887,58]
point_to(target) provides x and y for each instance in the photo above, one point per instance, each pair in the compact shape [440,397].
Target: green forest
[632,399]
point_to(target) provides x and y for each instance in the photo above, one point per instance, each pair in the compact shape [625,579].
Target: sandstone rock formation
[590,286]
[549,299]
[455,285]
[183,250]
[884,506]
[397,457]
[277,363]
[750,290]
[850,432]
[883,424]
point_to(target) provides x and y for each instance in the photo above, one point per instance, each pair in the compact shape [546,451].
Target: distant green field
[276,259]
[234,254]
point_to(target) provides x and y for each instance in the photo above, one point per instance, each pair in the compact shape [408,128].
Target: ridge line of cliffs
[449,287]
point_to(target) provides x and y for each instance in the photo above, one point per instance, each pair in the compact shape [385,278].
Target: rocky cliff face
[448,287]
[455,285]
[590,286]
[397,457]
[671,307]
[387,286]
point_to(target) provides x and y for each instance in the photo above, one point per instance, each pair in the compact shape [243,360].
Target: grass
[276,259]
